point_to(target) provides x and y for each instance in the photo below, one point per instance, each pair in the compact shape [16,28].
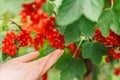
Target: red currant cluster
[34,19]
[113,41]
[24,38]
[38,41]
[117,71]
[12,41]
[9,47]
[56,39]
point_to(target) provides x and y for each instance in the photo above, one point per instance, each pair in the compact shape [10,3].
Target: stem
[112,1]
[77,48]
[14,23]
[54,13]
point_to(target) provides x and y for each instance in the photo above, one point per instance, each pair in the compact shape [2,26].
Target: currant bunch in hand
[112,40]
[9,46]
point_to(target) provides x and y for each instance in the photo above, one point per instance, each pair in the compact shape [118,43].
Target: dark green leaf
[109,19]
[93,9]
[70,67]
[72,33]
[4,56]
[104,22]
[94,51]
[107,4]
[69,11]
[115,26]
[116,5]
[87,27]
[62,29]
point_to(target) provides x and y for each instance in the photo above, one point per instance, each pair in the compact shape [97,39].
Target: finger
[28,57]
[42,60]
[51,61]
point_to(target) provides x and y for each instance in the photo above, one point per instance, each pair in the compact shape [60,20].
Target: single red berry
[107,59]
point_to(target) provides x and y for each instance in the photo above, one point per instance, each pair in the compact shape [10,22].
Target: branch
[77,48]
[14,23]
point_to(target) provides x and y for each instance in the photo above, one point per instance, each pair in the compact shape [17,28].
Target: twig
[14,23]
[112,1]
[77,48]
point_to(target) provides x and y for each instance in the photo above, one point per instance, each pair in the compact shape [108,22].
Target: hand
[22,68]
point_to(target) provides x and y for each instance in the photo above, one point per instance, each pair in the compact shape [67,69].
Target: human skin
[23,68]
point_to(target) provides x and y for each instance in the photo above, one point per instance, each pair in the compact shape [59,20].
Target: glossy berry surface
[9,46]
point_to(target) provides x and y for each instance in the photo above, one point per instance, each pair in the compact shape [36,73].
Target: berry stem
[14,23]
[112,1]
[77,48]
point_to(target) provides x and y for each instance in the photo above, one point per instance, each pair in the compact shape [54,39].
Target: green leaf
[104,22]
[69,11]
[107,4]
[94,51]
[93,9]
[115,26]
[72,33]
[48,8]
[70,67]
[116,5]
[87,27]
[47,49]
[109,19]
[4,56]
